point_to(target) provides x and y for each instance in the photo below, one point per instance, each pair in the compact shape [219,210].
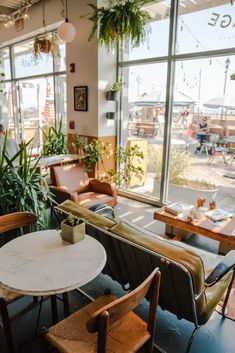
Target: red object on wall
[72,125]
[19,24]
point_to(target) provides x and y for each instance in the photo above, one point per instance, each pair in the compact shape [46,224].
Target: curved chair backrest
[17,220]
[122,306]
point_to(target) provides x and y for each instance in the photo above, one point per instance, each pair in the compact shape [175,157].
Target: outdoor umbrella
[227,102]
[159,97]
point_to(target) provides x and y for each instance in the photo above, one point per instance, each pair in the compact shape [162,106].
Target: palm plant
[22,188]
[120,20]
[55,141]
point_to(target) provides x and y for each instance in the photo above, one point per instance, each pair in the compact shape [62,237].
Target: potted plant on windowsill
[112,92]
[73,229]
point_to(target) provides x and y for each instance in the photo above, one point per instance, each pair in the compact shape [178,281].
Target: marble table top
[41,263]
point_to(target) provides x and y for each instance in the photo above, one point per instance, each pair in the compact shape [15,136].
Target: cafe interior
[117,191]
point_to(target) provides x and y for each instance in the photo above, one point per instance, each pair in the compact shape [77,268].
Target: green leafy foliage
[120,20]
[117,86]
[94,152]
[22,188]
[72,220]
[232,77]
[47,44]
[129,159]
[55,141]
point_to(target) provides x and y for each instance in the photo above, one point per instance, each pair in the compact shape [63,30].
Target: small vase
[111,95]
[73,234]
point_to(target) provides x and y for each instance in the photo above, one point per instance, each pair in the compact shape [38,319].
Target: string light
[15,16]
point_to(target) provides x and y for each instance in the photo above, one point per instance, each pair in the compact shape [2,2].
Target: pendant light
[66,30]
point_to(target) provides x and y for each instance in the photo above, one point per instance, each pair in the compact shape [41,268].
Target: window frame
[171,60]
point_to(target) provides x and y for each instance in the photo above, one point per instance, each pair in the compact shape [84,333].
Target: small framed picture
[81,98]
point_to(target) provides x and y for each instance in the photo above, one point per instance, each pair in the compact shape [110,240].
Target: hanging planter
[42,45]
[120,20]
[112,92]
[111,95]
[46,44]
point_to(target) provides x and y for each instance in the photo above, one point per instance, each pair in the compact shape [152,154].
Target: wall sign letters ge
[223,21]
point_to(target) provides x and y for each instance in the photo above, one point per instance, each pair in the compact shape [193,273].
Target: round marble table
[42,264]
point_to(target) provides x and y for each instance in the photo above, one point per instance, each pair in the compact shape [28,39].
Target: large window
[178,103]
[34,91]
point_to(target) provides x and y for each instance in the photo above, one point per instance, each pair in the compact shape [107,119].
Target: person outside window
[203,130]
[11,146]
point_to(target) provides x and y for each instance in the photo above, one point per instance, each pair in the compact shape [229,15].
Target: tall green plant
[55,141]
[120,20]
[22,188]
[129,159]
[94,152]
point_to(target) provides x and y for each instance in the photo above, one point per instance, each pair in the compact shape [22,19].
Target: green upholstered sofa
[132,253]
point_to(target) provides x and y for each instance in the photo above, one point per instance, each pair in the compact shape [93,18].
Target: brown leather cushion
[165,248]
[72,177]
[89,199]
[8,296]
[71,336]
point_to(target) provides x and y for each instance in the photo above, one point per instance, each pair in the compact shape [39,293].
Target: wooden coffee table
[220,231]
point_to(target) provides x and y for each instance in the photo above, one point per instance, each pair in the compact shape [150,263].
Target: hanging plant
[46,44]
[120,21]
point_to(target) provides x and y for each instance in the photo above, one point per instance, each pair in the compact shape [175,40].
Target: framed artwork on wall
[81,98]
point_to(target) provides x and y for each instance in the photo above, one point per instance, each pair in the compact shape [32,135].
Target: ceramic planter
[73,234]
[110,115]
[112,95]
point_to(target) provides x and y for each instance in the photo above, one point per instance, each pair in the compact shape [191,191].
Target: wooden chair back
[116,310]
[17,220]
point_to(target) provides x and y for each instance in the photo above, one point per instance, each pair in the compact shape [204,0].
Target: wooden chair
[119,328]
[10,222]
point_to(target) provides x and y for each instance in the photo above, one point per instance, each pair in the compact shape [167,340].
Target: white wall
[95,67]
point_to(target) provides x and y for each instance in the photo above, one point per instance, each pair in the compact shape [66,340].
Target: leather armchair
[72,183]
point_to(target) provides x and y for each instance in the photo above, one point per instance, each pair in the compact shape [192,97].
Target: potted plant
[55,141]
[22,188]
[46,44]
[112,92]
[73,229]
[120,20]
[129,159]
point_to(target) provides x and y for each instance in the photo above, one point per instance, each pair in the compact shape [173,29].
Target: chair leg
[195,331]
[66,304]
[7,327]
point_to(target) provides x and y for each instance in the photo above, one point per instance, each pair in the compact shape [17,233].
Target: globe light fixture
[66,30]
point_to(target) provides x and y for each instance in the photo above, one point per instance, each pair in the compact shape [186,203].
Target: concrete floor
[217,336]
